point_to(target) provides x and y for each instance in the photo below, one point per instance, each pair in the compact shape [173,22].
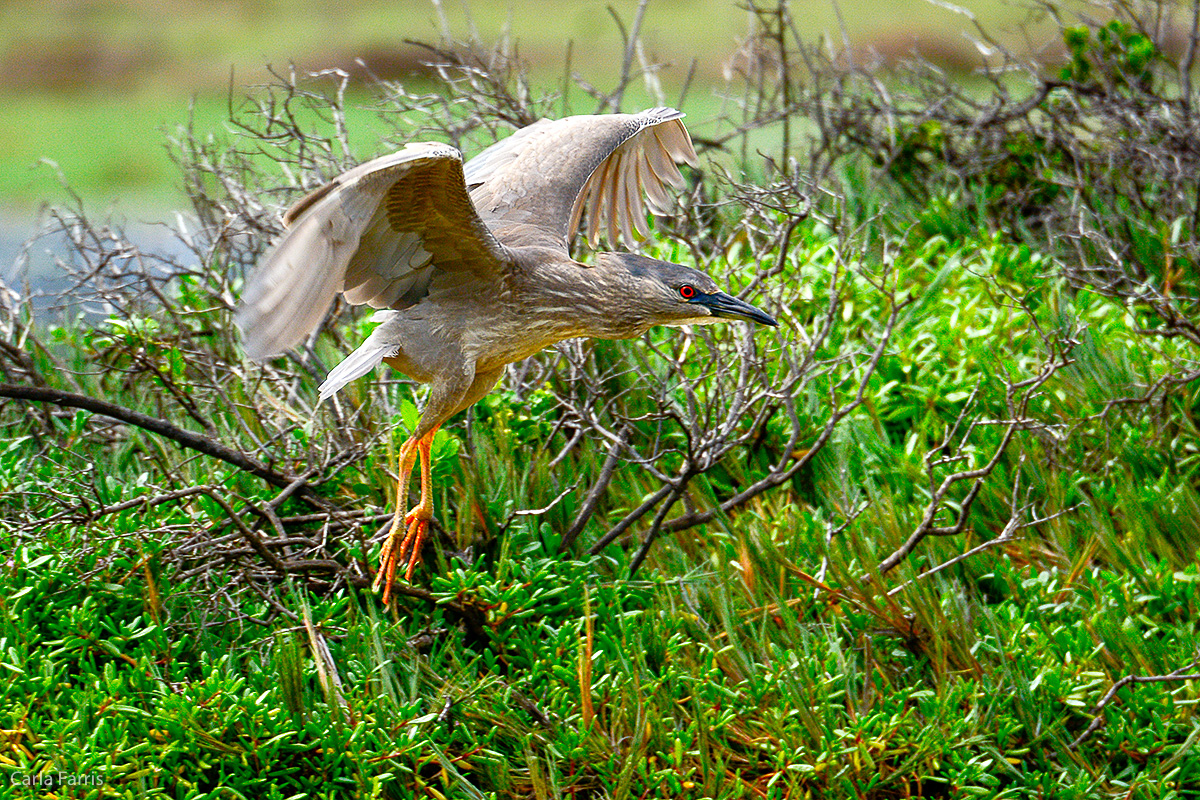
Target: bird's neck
[584,300]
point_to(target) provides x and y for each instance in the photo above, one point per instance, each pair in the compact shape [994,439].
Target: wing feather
[617,165]
[612,198]
[595,210]
[632,181]
[656,196]
[378,232]
[391,231]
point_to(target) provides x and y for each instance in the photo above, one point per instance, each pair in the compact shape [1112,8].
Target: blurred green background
[92,86]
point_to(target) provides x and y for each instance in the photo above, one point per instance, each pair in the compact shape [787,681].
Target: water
[35,271]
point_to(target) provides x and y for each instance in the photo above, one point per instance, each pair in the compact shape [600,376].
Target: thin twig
[594,494]
[190,439]
[1098,720]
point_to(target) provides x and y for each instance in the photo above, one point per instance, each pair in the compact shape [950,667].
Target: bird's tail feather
[369,355]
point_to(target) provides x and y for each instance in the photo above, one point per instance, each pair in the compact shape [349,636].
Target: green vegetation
[726,669]
[93,87]
[973,573]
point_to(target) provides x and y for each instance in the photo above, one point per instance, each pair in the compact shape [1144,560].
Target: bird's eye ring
[687,291]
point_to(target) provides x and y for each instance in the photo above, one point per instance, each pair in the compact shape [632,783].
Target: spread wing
[546,174]
[380,232]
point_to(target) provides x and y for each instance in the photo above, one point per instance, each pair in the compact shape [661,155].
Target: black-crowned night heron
[473,266]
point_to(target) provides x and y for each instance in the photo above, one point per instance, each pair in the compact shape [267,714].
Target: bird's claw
[397,549]
[413,541]
[417,513]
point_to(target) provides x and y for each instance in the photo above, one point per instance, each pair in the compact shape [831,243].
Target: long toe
[389,558]
[414,540]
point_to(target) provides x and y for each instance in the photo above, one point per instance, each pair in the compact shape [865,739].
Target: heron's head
[663,293]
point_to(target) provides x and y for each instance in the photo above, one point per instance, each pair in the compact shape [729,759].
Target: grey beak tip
[724,305]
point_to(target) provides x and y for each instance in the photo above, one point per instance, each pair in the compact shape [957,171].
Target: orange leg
[408,530]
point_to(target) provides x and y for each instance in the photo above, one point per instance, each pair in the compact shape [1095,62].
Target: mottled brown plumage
[473,268]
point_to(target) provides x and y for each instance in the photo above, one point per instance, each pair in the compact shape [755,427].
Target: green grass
[96,104]
[695,691]
[724,670]
[146,651]
[109,149]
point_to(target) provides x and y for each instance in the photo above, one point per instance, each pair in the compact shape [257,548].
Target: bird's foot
[408,531]
[418,526]
[403,543]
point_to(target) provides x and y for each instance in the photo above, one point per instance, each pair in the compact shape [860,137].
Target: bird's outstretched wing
[545,174]
[377,232]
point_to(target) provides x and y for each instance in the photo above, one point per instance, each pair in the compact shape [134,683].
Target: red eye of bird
[687,292]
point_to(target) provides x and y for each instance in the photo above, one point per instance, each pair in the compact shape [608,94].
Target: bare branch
[1098,720]
[186,438]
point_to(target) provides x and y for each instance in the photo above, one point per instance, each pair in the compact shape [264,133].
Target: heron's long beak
[729,307]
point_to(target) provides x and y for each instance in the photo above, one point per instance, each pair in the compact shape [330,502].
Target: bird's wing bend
[544,175]
[376,232]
